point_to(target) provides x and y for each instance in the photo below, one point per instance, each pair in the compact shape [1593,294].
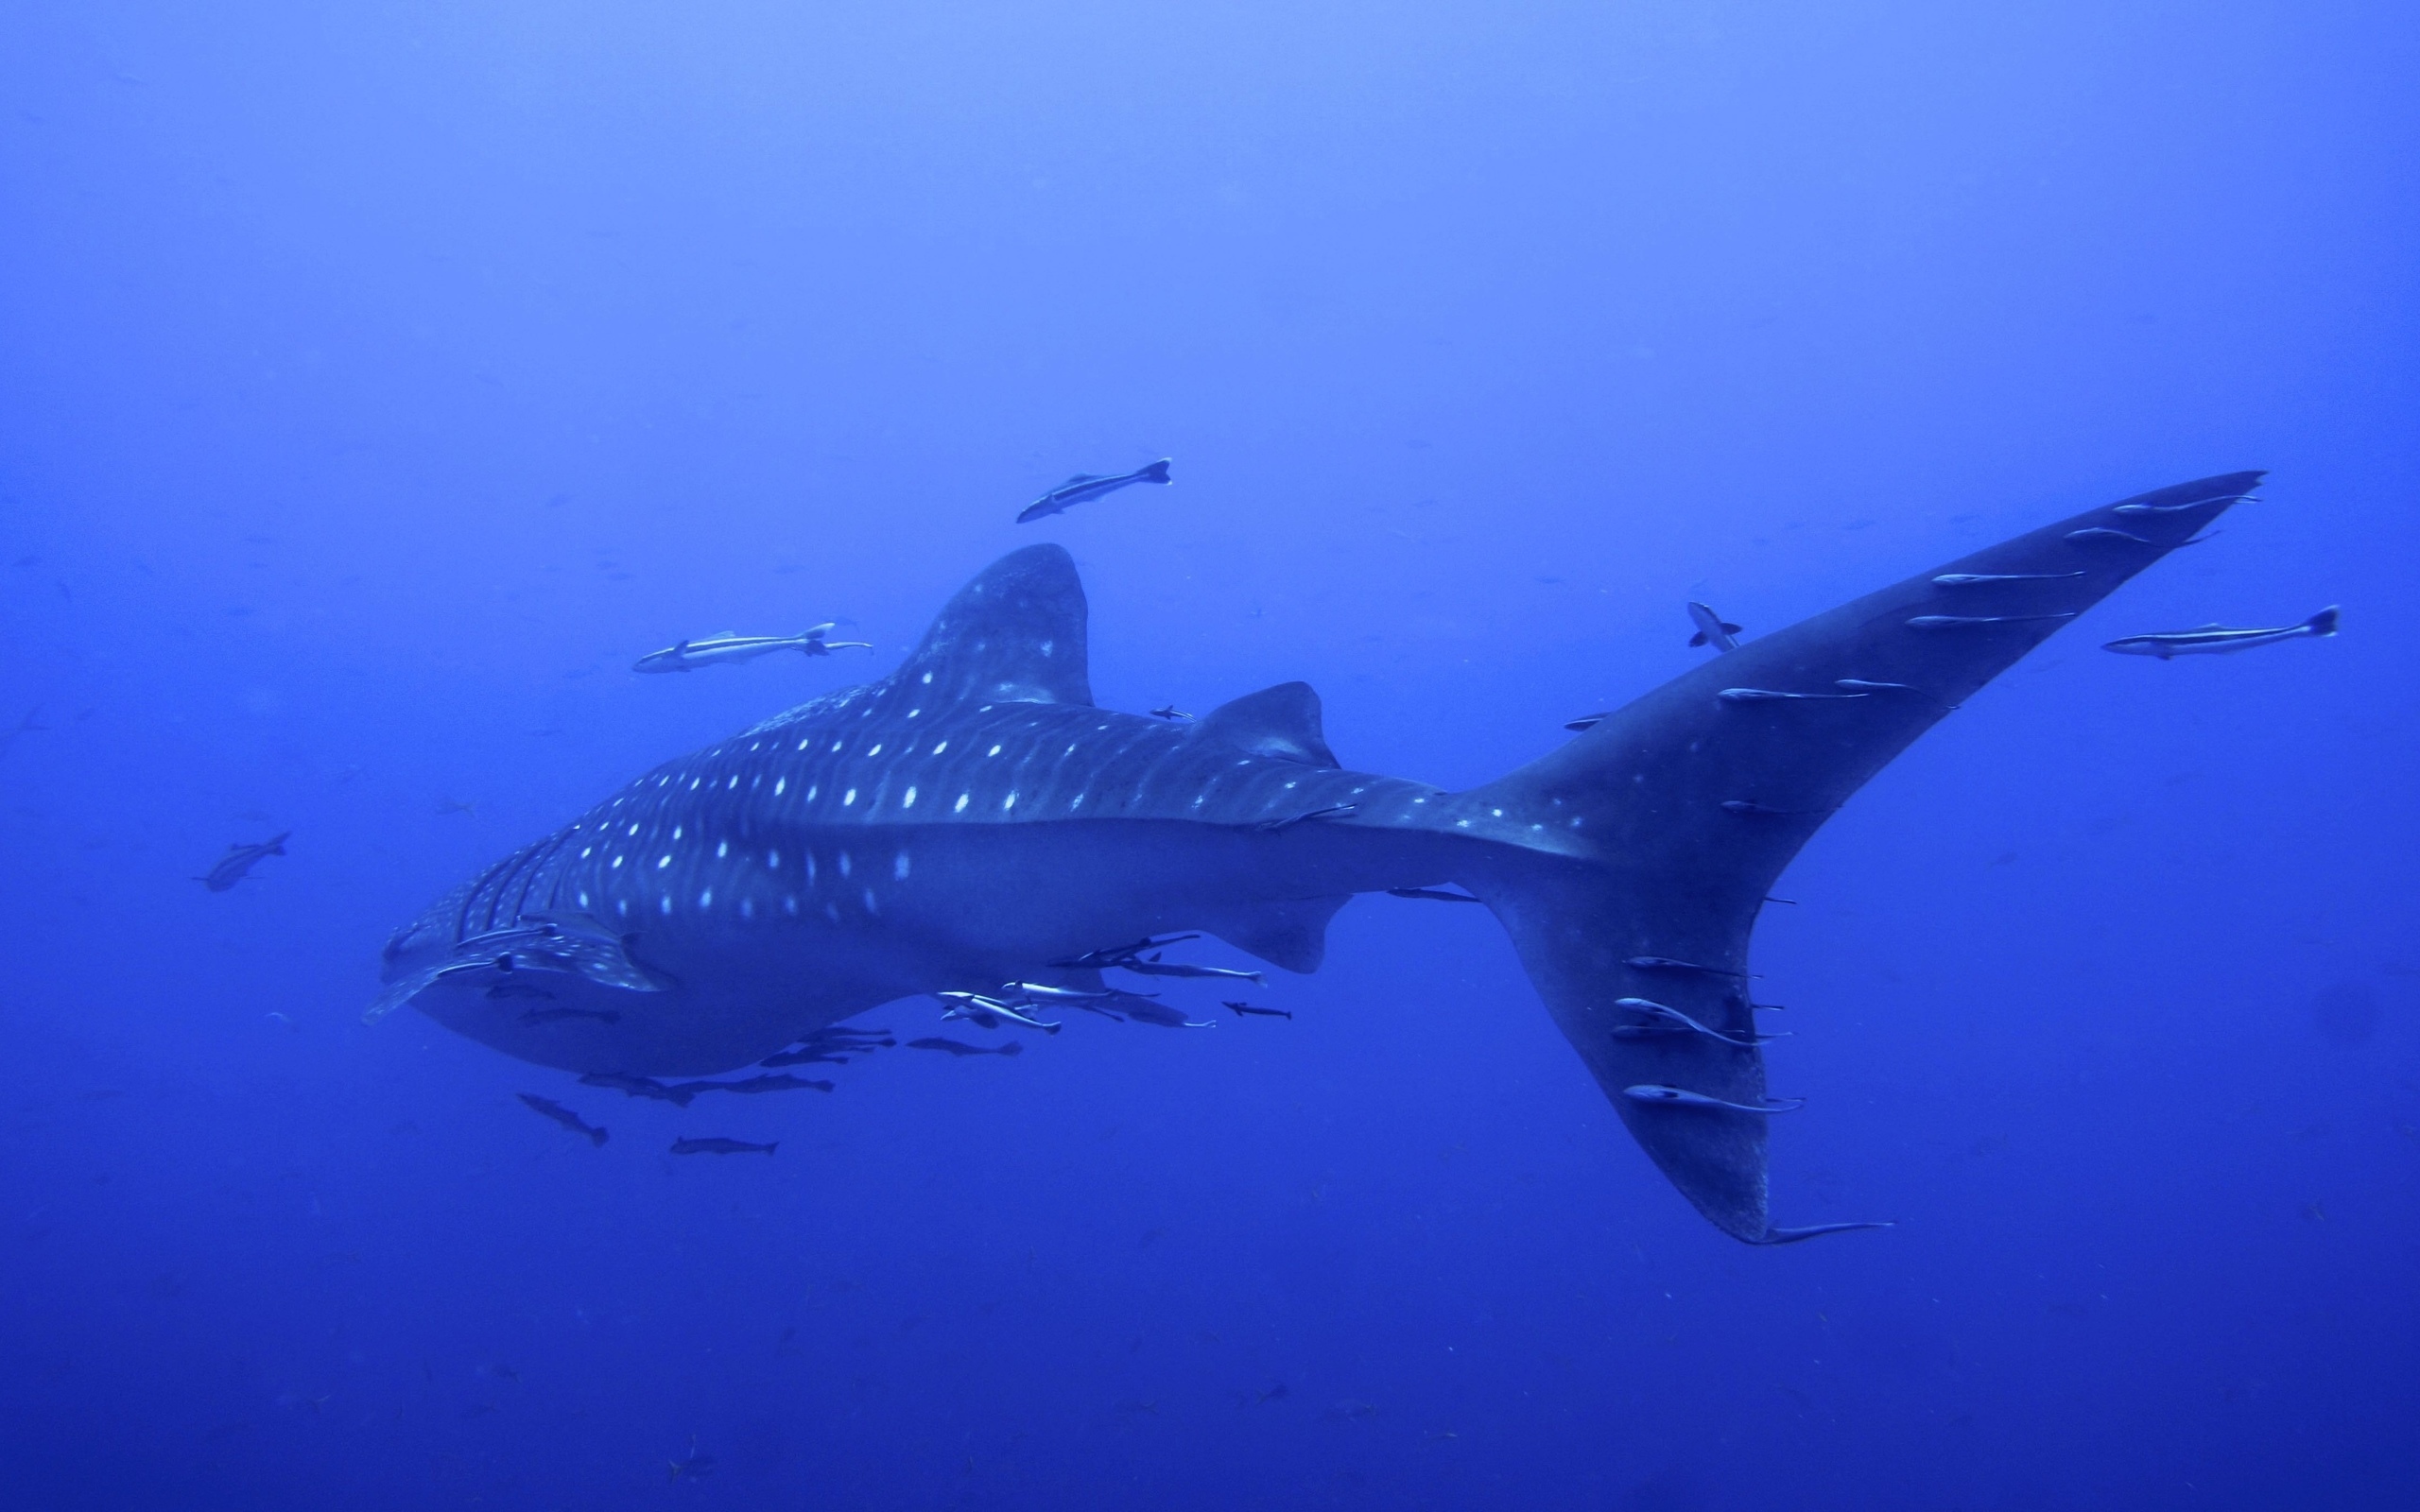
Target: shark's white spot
[663,862]
[813,788]
[808,740]
[810,866]
[665,904]
[676,832]
[1076,802]
[844,863]
[706,898]
[634,829]
[835,747]
[1009,802]
[623,907]
[789,905]
[734,782]
[994,752]
[721,849]
[913,712]
[870,902]
[748,909]
[1461,824]
[1047,646]
[584,900]
[848,798]
[584,850]
[617,861]
[772,861]
[781,786]
[876,750]
[1498,813]
[908,801]
[926,678]
[693,784]
[941,747]
[959,807]
[899,866]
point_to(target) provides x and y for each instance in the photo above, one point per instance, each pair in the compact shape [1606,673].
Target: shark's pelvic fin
[1292,934]
[1016,634]
[1283,721]
[1646,859]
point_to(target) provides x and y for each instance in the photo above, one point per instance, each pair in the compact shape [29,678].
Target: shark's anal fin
[1283,721]
[1016,634]
[1663,827]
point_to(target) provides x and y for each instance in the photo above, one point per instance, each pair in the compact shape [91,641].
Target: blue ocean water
[378,382]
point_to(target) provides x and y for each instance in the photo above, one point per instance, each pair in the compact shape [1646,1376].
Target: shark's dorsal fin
[1013,635]
[1282,721]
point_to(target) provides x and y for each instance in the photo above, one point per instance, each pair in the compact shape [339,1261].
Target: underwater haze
[378,384]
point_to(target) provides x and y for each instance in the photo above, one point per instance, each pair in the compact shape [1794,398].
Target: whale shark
[974,817]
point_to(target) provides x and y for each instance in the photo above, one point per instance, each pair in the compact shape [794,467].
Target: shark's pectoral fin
[1283,722]
[1291,934]
[1645,847]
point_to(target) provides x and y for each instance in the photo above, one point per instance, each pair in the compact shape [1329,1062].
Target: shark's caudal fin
[1660,830]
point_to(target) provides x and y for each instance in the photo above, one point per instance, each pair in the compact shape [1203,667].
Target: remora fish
[2216,640]
[720,650]
[238,862]
[1713,629]
[973,818]
[717,1145]
[1085,487]
[549,1108]
[958,1047]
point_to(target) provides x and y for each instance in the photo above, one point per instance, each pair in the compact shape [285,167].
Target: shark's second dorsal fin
[1013,635]
[1283,721]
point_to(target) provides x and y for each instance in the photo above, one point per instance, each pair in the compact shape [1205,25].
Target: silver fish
[1663,1018]
[720,650]
[2180,509]
[1713,629]
[1960,622]
[1970,579]
[1775,695]
[1085,487]
[2216,640]
[988,1012]
[1683,1097]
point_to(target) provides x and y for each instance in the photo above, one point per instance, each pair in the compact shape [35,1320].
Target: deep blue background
[377,380]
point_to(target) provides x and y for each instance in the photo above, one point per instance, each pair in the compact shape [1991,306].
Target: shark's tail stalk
[1647,844]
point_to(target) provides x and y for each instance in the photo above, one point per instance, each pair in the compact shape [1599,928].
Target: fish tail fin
[1158,471]
[1621,872]
[2324,623]
[277,847]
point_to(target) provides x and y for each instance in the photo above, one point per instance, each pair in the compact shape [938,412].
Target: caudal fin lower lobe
[1638,854]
